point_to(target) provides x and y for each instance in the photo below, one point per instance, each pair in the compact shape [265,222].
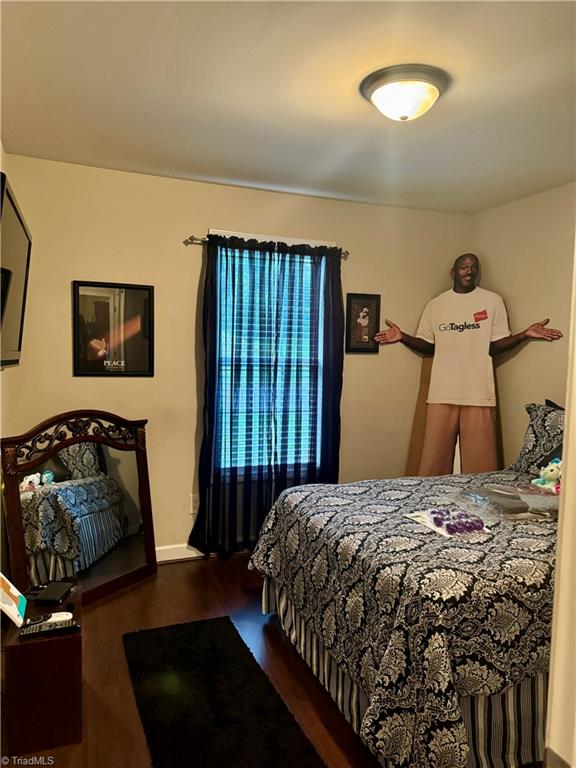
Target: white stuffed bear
[30,482]
[550,475]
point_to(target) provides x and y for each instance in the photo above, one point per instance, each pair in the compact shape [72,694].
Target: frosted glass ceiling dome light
[405,91]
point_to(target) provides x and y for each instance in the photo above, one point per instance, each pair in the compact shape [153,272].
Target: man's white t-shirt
[461,327]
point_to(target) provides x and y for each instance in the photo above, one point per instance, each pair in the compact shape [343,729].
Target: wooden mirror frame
[21,454]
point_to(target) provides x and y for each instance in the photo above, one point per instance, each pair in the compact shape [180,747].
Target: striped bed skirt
[97,534]
[504,731]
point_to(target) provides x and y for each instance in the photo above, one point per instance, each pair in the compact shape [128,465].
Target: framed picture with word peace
[113,329]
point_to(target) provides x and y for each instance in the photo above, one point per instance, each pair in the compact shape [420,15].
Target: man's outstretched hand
[539,331]
[391,336]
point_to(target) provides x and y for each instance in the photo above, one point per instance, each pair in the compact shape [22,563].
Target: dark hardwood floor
[185,591]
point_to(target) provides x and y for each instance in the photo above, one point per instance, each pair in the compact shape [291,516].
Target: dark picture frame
[362,323]
[113,329]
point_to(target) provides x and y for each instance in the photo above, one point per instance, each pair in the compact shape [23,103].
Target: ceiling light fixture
[405,91]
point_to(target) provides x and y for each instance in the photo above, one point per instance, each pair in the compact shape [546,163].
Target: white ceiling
[265,94]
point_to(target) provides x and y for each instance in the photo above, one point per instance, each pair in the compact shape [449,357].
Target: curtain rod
[193,240]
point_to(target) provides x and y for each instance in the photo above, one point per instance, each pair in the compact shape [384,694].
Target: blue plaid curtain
[273,336]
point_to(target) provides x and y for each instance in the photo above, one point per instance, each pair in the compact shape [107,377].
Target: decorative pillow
[81,459]
[543,438]
[555,453]
[552,404]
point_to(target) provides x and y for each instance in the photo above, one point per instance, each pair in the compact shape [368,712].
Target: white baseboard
[173,552]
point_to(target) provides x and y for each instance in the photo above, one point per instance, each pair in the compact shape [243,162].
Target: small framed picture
[362,322]
[113,329]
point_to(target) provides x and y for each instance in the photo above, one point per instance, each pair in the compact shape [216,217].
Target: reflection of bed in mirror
[91,518]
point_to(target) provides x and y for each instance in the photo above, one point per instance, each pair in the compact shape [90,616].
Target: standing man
[462,328]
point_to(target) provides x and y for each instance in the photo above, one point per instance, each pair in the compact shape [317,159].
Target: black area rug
[204,701]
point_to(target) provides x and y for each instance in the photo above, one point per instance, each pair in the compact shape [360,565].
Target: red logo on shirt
[483,315]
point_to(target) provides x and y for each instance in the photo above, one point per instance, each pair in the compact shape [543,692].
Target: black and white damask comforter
[51,514]
[417,619]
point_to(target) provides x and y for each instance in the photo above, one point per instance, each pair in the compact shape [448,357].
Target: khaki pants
[476,426]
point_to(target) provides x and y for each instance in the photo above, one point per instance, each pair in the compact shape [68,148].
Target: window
[270,357]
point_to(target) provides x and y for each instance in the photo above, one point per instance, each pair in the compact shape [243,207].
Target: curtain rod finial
[193,240]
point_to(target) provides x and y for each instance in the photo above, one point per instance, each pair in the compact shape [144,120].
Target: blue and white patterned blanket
[50,514]
[416,618]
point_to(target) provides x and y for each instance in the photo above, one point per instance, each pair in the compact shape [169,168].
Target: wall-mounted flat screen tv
[15,247]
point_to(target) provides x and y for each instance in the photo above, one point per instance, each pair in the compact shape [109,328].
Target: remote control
[54,618]
[40,619]
[49,628]
[48,618]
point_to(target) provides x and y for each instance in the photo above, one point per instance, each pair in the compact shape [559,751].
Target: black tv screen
[15,247]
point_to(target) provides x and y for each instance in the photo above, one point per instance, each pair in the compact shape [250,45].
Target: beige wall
[94,224]
[527,252]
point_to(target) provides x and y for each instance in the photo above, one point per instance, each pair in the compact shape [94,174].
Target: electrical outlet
[194,503]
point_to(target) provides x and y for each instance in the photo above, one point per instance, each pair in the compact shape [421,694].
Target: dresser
[43,685]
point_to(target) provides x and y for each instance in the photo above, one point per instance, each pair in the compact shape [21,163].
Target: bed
[71,523]
[436,649]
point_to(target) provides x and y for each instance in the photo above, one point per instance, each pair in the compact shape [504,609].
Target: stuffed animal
[30,482]
[47,477]
[550,476]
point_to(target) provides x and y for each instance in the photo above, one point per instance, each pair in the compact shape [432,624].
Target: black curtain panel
[273,324]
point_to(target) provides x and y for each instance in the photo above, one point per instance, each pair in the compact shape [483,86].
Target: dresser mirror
[77,501]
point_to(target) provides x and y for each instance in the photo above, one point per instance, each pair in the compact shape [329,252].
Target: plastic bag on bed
[511,503]
[450,521]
